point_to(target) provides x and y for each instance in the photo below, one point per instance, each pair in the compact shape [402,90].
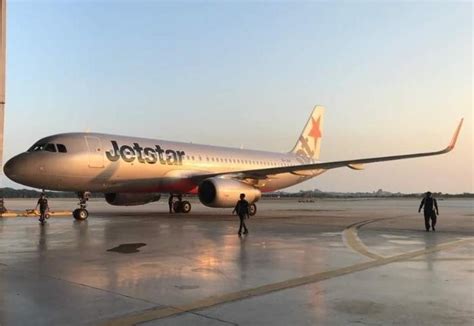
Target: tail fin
[308,145]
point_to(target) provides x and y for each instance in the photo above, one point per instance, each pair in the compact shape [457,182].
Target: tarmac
[331,262]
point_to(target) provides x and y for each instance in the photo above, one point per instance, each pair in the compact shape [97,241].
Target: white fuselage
[109,163]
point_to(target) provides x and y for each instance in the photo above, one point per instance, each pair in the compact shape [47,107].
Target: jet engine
[218,192]
[131,199]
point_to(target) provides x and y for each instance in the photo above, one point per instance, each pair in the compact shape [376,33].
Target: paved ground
[361,262]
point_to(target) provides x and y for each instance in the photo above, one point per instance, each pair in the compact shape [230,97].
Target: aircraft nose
[15,167]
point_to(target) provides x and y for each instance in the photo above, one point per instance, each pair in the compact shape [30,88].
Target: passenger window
[61,148]
[50,148]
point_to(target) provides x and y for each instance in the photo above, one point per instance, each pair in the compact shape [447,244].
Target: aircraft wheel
[185,207]
[252,209]
[80,214]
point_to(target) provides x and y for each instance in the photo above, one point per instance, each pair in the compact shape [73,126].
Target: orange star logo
[315,131]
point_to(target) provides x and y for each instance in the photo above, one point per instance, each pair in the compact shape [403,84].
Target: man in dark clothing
[242,209]
[430,210]
[43,206]
[170,203]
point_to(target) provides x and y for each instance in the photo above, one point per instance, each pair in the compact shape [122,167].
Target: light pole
[2,88]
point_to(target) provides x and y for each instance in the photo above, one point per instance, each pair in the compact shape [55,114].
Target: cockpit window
[61,148]
[50,148]
[37,147]
[47,147]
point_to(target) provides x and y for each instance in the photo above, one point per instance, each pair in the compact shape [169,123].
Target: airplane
[136,171]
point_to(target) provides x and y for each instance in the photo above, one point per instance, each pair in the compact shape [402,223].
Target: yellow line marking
[446,259]
[352,240]
[350,237]
[27,213]
[163,312]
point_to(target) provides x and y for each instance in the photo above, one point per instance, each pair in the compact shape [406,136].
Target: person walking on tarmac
[430,211]
[242,209]
[170,203]
[43,206]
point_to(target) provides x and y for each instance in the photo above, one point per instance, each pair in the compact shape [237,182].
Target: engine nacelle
[217,192]
[131,199]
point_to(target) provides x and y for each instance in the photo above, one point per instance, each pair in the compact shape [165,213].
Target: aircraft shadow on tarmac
[128,248]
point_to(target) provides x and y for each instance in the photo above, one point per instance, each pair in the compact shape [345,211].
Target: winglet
[455,137]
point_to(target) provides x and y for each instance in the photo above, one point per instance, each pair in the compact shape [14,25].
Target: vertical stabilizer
[308,145]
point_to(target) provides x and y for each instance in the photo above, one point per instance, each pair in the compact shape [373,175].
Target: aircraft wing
[356,164]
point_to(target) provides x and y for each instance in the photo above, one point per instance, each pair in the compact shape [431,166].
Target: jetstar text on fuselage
[144,155]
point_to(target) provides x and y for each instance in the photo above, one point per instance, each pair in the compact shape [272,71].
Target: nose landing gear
[81,213]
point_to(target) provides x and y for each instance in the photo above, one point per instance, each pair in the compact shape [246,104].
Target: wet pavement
[331,262]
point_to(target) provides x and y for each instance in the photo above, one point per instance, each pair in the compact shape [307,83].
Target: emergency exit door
[96,154]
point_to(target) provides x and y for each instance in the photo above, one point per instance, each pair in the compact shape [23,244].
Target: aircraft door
[96,155]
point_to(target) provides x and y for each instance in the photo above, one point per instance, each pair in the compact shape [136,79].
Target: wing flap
[356,166]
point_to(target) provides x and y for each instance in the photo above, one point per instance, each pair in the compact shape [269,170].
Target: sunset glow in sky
[395,78]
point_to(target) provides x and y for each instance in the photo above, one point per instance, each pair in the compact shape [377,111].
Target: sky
[395,78]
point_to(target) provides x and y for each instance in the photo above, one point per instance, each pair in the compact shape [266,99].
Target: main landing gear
[252,209]
[81,213]
[180,206]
